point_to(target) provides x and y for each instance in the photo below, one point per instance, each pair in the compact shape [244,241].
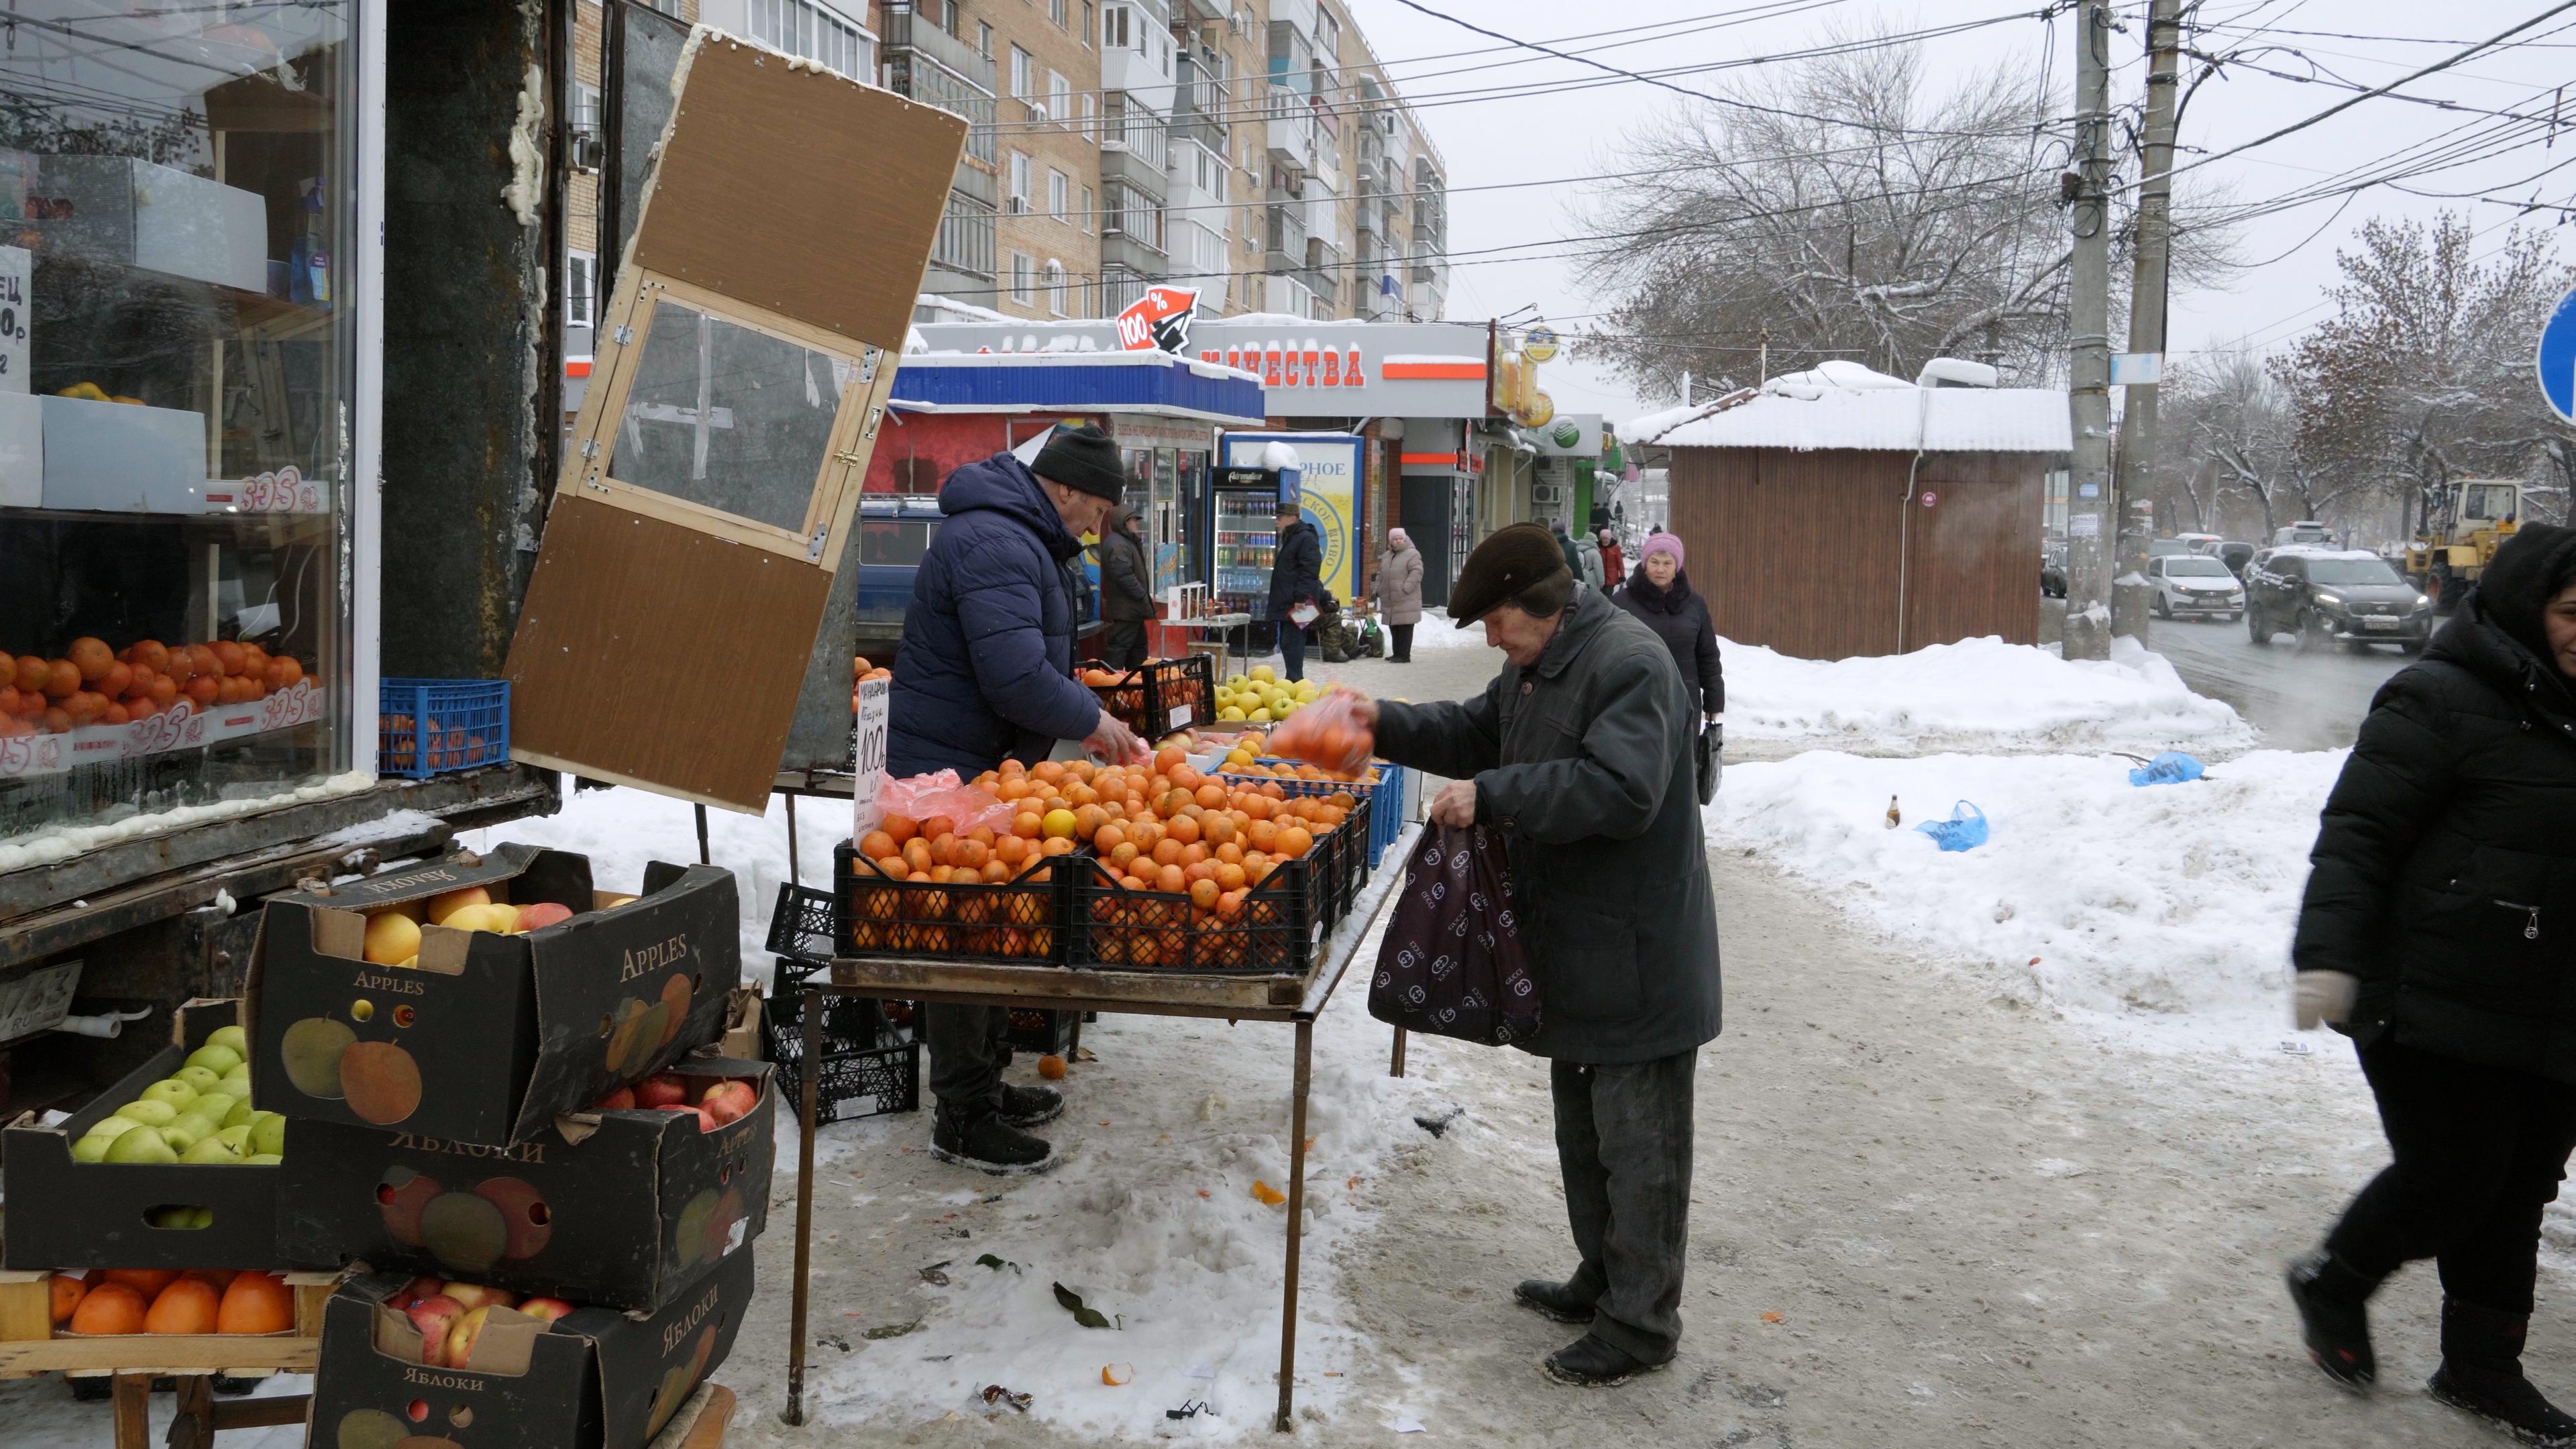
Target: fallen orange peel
[1268,1195]
[1116,1375]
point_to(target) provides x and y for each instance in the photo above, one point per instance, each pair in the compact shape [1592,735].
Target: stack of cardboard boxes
[457,1128]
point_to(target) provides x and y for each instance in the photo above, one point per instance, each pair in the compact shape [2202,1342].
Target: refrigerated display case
[1246,540]
[175,522]
[1166,488]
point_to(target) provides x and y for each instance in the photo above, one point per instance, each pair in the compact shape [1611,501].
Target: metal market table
[1289,1000]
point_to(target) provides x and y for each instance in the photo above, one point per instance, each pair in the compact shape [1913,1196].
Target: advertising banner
[1331,494]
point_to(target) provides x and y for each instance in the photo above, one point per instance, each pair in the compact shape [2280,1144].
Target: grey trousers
[969,1046]
[1623,1143]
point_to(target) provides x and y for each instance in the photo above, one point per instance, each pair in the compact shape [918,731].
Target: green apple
[236,1138]
[141,1145]
[108,1127]
[264,1159]
[214,1058]
[200,1080]
[232,1037]
[187,1128]
[268,1134]
[241,1114]
[150,1111]
[210,1149]
[90,1149]
[178,1094]
[240,1074]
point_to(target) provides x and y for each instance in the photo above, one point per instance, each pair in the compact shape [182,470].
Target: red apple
[424,1286]
[475,1295]
[660,1090]
[460,1339]
[730,1101]
[619,1100]
[543,913]
[435,1317]
[548,1309]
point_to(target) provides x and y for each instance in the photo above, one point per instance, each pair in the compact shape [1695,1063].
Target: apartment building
[1254,149]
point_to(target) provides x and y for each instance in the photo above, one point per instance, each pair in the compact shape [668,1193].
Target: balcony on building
[1131,230]
[1323,273]
[1143,64]
[1284,234]
[1288,295]
[1291,120]
[1199,104]
[933,67]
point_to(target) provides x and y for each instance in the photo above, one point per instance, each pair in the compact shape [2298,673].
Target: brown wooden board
[1146,991]
[797,190]
[655,642]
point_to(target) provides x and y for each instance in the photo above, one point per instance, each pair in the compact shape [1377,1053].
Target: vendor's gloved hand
[2323,996]
[1114,742]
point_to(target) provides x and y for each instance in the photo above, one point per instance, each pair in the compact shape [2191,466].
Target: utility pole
[2129,606]
[2087,188]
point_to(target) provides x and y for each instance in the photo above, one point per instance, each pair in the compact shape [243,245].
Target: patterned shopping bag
[1452,963]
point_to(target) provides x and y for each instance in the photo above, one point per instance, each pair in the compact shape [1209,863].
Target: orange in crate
[109,1307]
[186,1306]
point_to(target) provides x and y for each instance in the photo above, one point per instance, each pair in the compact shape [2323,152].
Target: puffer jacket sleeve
[1003,617]
[1712,678]
[1459,739]
[2396,783]
[1122,572]
[1615,786]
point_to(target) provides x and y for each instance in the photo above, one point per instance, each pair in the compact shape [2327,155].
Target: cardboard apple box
[626,1209]
[64,1213]
[592,1379]
[489,1036]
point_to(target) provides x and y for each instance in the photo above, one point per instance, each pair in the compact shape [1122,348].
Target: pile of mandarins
[861,671]
[157,1300]
[94,685]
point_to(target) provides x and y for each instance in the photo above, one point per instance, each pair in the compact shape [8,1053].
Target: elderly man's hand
[1455,804]
[1364,709]
[1111,740]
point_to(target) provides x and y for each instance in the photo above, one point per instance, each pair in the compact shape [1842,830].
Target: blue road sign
[2558,358]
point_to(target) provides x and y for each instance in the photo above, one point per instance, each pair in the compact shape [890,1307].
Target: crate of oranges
[917,888]
[1158,696]
[202,1320]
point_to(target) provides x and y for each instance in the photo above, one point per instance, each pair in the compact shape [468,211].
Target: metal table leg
[1296,1221]
[1395,1068]
[702,835]
[794,873]
[810,1072]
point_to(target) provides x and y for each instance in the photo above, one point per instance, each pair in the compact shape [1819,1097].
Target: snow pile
[1153,1221]
[1977,694]
[65,841]
[1438,631]
[2091,897]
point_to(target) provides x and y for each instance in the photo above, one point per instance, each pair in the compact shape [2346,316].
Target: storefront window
[175,205]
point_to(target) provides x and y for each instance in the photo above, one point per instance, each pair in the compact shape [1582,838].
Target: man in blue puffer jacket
[986,674]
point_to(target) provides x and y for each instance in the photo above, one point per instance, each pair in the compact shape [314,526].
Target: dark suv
[2328,596]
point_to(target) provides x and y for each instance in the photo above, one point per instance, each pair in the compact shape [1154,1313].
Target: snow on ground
[2162,912]
[1977,694]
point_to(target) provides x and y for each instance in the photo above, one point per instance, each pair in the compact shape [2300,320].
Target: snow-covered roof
[1843,405]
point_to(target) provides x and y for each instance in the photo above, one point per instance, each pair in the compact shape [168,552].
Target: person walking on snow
[1573,555]
[1126,589]
[1296,567]
[1614,564]
[1399,593]
[1660,598]
[2439,933]
[1580,753]
[986,674]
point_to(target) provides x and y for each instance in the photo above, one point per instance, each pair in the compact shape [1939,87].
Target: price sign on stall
[285,491]
[15,272]
[876,712]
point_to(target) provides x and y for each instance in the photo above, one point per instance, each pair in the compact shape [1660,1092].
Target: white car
[2195,583]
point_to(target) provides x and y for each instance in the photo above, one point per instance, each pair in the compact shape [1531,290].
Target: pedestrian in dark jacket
[2439,933]
[1565,542]
[1580,752]
[986,674]
[1296,569]
[1661,598]
[1126,589]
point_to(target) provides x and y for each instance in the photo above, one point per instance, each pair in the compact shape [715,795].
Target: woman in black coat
[1660,595]
[2439,933]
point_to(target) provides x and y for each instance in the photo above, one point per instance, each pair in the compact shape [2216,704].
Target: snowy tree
[2422,377]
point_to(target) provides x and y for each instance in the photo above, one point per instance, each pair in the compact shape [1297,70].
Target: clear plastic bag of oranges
[1328,734]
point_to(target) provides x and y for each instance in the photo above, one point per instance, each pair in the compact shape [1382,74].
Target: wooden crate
[28,1346]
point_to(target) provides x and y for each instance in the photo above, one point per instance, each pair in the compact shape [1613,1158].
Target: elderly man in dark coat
[1580,752]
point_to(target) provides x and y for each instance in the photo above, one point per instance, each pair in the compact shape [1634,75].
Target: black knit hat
[2528,570]
[1084,458]
[1510,562]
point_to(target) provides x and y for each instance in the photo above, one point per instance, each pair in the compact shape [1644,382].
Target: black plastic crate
[870,1082]
[1275,932]
[1048,1033]
[1161,695]
[802,926]
[1019,922]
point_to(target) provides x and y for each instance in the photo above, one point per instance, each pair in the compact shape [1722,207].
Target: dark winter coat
[1296,569]
[1679,617]
[1573,555]
[1399,585]
[1585,762]
[1126,584]
[2445,866]
[987,664]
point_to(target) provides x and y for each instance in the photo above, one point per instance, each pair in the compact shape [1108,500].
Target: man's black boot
[974,1135]
[1029,1106]
[2332,1300]
[2481,1372]
[1593,1362]
[1557,1300]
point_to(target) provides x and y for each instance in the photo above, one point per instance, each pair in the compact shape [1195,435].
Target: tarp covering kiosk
[741,372]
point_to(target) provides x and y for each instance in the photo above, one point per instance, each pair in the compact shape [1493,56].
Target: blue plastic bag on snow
[2173,767]
[1964,830]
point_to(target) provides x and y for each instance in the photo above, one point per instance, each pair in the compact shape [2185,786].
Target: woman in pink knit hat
[1660,595]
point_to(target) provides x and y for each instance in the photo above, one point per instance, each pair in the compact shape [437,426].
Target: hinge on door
[814,547]
[868,366]
[624,334]
[590,447]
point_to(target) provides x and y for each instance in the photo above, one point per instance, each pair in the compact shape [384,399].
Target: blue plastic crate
[428,727]
[1385,798]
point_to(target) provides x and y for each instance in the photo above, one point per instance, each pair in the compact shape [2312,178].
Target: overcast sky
[1581,132]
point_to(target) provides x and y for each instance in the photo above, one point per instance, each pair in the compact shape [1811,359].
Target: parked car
[2305,531]
[894,533]
[2195,584]
[2052,571]
[2236,556]
[2166,547]
[2327,596]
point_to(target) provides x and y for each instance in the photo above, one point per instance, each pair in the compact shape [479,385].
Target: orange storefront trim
[1432,371]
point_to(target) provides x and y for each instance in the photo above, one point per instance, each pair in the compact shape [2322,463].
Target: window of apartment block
[1089,206]
[1114,27]
[581,285]
[1019,202]
[966,236]
[1059,188]
[1059,96]
[1055,286]
[1019,72]
[1023,279]
[1056,11]
[984,39]
[1087,9]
